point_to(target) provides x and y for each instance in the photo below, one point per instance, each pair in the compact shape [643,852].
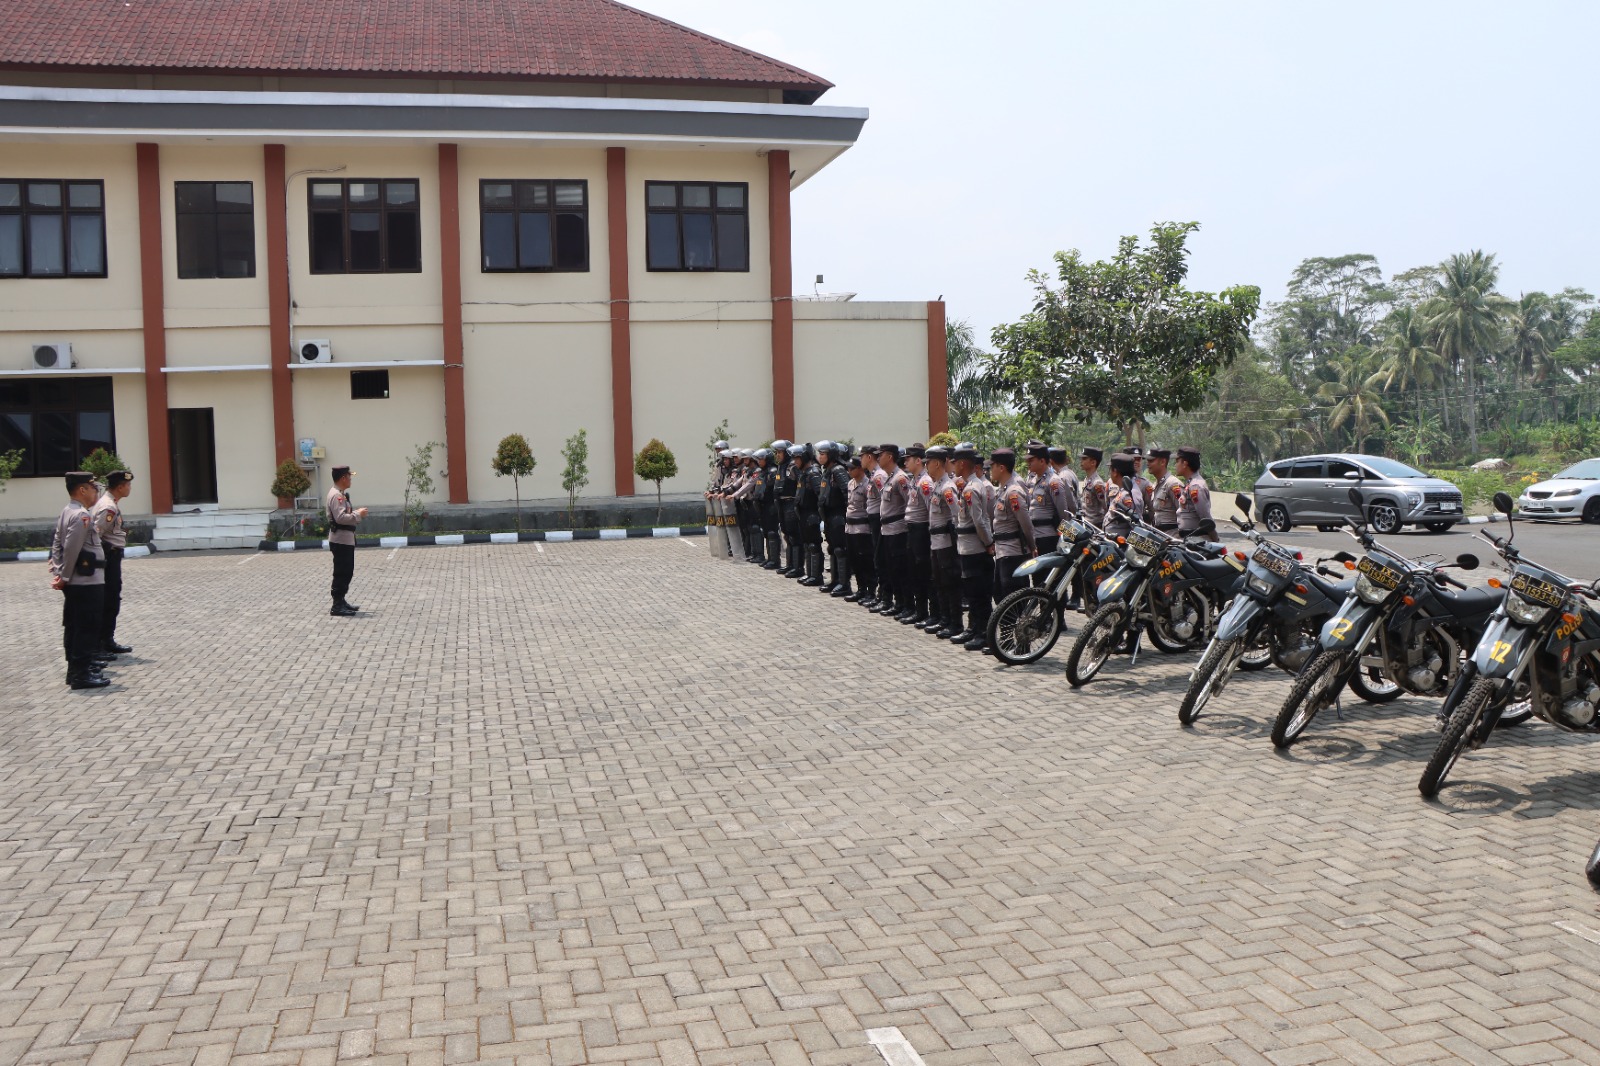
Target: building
[375,223]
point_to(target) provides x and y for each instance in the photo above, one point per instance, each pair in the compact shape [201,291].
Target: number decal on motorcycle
[1500,650]
[1342,627]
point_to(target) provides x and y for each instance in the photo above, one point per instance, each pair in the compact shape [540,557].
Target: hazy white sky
[1006,130]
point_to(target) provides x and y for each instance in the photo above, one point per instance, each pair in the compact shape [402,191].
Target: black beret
[1005,457]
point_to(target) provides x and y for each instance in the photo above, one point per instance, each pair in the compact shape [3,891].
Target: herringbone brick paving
[622,804]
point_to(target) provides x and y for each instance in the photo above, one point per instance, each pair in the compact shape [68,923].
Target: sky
[1004,131]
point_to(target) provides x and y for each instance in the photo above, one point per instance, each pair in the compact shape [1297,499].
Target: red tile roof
[539,40]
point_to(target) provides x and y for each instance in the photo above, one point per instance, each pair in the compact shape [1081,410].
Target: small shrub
[947,439]
[419,483]
[655,462]
[576,473]
[290,481]
[514,459]
[101,462]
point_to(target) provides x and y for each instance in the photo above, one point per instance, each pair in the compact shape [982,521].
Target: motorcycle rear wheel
[1457,733]
[1159,629]
[1314,690]
[1093,646]
[1259,655]
[1024,627]
[1218,661]
[1370,684]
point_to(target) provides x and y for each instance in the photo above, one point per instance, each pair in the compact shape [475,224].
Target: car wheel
[1384,516]
[1276,518]
[1438,527]
[1591,511]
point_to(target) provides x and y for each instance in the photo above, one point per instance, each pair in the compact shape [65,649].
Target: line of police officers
[86,554]
[927,532]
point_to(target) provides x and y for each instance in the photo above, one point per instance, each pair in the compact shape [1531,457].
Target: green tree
[1464,315]
[968,388]
[514,459]
[1252,410]
[9,461]
[419,483]
[720,433]
[289,481]
[1121,338]
[575,475]
[1530,337]
[1330,304]
[101,462]
[1408,359]
[655,462]
[1355,400]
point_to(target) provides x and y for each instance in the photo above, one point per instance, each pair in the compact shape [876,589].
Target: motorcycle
[1542,646]
[1399,623]
[1169,588]
[1277,615]
[1027,623]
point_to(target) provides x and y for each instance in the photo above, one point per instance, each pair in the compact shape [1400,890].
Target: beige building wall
[879,351]
[373,437]
[241,406]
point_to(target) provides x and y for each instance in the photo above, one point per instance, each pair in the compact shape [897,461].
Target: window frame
[64,211]
[179,213]
[551,209]
[679,210]
[383,210]
[369,375]
[36,407]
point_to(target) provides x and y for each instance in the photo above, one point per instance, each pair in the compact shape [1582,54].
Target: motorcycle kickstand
[1138,640]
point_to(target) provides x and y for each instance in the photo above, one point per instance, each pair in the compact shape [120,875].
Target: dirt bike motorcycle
[1542,647]
[1276,619]
[1172,589]
[1401,622]
[1027,623]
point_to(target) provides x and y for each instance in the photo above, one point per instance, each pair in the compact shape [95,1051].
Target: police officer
[894,497]
[1014,542]
[809,503]
[1194,512]
[1063,469]
[1049,499]
[716,533]
[114,539]
[918,545]
[342,522]
[771,520]
[77,570]
[788,518]
[1094,492]
[974,544]
[748,499]
[835,499]
[1144,484]
[877,589]
[857,533]
[946,565]
[1165,492]
[1125,499]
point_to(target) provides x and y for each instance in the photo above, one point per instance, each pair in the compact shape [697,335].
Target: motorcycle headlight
[1261,585]
[1369,592]
[1525,611]
[1135,557]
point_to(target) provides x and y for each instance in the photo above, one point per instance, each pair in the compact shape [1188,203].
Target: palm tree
[969,390]
[1529,333]
[1355,401]
[1463,315]
[1408,359]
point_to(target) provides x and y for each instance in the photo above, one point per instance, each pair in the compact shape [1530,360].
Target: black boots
[83,673]
[813,578]
[111,647]
[773,553]
[841,575]
[341,609]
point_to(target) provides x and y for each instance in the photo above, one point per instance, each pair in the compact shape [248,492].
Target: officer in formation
[933,536]
[77,571]
[114,539]
[342,522]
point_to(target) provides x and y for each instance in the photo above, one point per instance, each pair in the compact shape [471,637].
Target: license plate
[1449,507]
[1531,588]
[1271,562]
[1144,544]
[1380,575]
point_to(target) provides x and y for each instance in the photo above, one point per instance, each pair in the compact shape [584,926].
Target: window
[56,422]
[369,384]
[534,225]
[52,229]
[1307,468]
[697,225]
[216,229]
[1282,470]
[1338,468]
[366,226]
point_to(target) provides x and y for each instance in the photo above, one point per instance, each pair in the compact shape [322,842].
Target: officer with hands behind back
[77,570]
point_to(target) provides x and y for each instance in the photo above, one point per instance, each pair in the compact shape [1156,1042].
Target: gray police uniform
[1013,536]
[78,558]
[1164,499]
[942,508]
[114,540]
[1194,513]
[974,536]
[1125,497]
[1095,496]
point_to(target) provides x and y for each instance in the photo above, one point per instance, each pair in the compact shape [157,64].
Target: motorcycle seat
[1471,602]
[1214,570]
[1334,590]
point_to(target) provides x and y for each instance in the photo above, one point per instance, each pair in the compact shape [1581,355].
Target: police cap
[917,451]
[1097,454]
[1122,463]
[1038,449]
[1058,455]
[1190,456]
[1161,453]
[1006,457]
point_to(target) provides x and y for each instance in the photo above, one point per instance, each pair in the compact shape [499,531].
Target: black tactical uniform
[809,504]
[835,497]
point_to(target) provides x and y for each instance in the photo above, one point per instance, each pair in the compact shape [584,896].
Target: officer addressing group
[342,522]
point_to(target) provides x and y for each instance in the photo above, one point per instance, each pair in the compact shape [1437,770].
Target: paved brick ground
[614,803]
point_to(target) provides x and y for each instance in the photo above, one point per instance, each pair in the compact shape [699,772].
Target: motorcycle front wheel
[1212,673]
[1024,627]
[1093,646]
[1315,689]
[1457,733]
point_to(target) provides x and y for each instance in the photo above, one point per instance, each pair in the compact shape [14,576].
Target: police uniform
[835,502]
[857,532]
[1194,512]
[894,591]
[1014,542]
[771,519]
[809,504]
[788,516]
[1058,462]
[919,546]
[114,539]
[974,539]
[1164,497]
[876,587]
[716,532]
[342,522]
[943,505]
[1125,499]
[1094,493]
[1048,502]
[77,562]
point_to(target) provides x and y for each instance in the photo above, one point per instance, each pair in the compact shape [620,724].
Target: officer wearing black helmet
[767,505]
[809,504]
[788,517]
[835,498]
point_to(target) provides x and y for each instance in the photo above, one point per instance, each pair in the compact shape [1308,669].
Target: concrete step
[210,529]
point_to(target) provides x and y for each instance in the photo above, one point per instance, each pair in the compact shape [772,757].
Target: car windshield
[1588,470]
[1390,468]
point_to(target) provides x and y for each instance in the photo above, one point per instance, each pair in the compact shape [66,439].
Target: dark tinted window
[534,225]
[1305,469]
[52,229]
[56,422]
[1281,470]
[365,226]
[216,229]
[1338,468]
[369,384]
[697,226]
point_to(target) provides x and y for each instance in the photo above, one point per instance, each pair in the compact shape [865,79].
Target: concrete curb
[138,551]
[451,540]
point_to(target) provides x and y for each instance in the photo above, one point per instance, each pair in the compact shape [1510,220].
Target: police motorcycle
[1028,622]
[1541,647]
[1274,620]
[1399,630]
[1170,588]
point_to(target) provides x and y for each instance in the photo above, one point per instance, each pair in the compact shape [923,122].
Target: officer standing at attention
[894,592]
[974,545]
[1014,542]
[77,570]
[835,500]
[942,508]
[716,535]
[342,522]
[918,545]
[1125,500]
[1165,493]
[1094,488]
[1144,484]
[1194,513]
[877,587]
[770,518]
[114,539]
[1058,461]
[788,519]
[809,503]
[857,534]
[1048,499]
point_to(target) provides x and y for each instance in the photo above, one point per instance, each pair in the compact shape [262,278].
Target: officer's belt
[938,531]
[966,529]
[1166,529]
[909,522]
[857,522]
[1044,531]
[1008,536]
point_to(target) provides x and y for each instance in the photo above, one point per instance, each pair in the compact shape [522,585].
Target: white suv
[1573,493]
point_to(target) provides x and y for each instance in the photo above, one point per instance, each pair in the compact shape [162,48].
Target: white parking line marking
[540,546]
[688,544]
[894,1047]
[250,558]
[395,551]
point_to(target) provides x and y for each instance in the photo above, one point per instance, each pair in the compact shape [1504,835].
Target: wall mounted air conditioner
[316,351]
[56,356]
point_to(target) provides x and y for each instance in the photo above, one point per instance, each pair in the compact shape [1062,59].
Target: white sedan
[1573,493]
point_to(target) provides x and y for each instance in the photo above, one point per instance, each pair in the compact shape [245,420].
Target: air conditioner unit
[316,351]
[57,356]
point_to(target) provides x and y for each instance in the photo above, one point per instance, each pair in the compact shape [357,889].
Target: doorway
[193,442]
